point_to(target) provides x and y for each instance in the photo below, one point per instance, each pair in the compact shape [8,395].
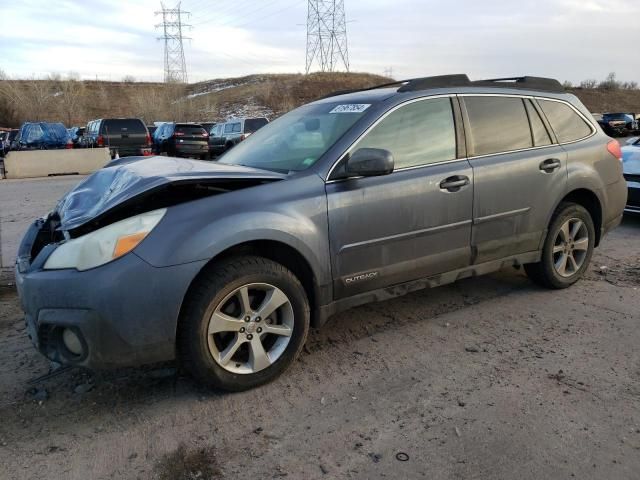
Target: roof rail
[528,82]
[462,80]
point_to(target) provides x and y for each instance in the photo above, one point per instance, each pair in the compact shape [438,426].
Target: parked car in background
[207,125]
[182,140]
[3,138]
[124,137]
[351,199]
[631,171]
[41,136]
[10,139]
[618,124]
[227,135]
[76,133]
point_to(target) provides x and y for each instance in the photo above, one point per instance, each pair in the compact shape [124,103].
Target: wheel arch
[276,251]
[591,202]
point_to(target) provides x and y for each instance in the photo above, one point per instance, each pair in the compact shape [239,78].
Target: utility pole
[175,67]
[388,72]
[326,35]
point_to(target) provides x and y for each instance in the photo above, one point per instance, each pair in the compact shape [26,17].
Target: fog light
[72,341]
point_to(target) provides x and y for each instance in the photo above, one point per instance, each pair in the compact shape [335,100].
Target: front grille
[633,198]
[632,177]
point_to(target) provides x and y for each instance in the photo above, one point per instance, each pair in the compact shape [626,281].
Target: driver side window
[419,133]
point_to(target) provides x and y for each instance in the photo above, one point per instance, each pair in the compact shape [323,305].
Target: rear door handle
[550,164]
[455,183]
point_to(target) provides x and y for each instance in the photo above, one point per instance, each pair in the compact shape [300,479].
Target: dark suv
[352,199]
[181,140]
[224,136]
[123,136]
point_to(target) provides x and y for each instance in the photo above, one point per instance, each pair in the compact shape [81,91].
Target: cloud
[567,39]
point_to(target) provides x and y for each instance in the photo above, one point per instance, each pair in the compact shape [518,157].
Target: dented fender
[292,213]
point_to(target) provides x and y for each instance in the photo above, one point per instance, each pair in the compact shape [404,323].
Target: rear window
[232,127]
[119,125]
[564,120]
[498,124]
[253,124]
[190,129]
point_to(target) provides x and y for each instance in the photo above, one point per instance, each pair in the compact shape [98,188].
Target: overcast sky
[566,39]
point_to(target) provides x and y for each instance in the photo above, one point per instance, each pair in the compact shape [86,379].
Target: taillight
[148,140]
[69,144]
[100,141]
[242,137]
[613,147]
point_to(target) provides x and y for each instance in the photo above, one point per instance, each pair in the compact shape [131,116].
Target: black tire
[544,273]
[209,291]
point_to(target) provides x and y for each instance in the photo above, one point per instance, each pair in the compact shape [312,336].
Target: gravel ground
[488,378]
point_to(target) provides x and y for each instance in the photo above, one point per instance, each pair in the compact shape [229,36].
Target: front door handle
[455,183]
[549,165]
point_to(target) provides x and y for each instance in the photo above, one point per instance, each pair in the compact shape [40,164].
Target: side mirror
[370,162]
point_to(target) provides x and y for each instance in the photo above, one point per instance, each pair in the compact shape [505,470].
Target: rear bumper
[125,312]
[130,151]
[191,149]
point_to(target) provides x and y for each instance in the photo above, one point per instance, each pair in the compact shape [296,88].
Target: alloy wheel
[250,328]
[570,247]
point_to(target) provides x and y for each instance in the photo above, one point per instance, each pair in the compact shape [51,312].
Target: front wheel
[244,322]
[567,249]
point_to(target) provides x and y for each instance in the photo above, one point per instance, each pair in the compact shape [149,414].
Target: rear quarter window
[497,124]
[566,123]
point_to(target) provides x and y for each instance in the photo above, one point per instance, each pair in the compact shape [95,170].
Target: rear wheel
[243,324]
[567,249]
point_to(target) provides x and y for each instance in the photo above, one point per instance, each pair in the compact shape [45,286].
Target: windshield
[296,140]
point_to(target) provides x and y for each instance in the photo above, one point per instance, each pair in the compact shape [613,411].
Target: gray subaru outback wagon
[354,198]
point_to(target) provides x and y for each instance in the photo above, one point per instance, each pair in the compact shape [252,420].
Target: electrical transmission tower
[175,67]
[327,35]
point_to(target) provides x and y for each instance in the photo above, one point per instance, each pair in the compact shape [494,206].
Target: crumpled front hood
[631,159]
[127,178]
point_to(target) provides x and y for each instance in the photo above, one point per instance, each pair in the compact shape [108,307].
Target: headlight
[104,245]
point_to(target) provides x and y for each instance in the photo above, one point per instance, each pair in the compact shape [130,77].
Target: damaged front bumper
[123,313]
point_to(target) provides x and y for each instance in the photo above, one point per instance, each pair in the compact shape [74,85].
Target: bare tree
[589,83]
[72,100]
[610,83]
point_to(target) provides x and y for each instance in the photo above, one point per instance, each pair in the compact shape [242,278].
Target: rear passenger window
[420,133]
[566,123]
[228,128]
[538,130]
[498,124]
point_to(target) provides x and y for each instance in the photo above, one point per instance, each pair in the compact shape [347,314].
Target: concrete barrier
[44,163]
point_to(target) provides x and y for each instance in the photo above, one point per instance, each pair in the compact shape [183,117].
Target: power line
[326,35]
[175,67]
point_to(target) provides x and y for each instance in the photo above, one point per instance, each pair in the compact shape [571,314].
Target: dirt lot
[488,378]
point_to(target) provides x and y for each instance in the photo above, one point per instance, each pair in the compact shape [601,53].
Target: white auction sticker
[351,108]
